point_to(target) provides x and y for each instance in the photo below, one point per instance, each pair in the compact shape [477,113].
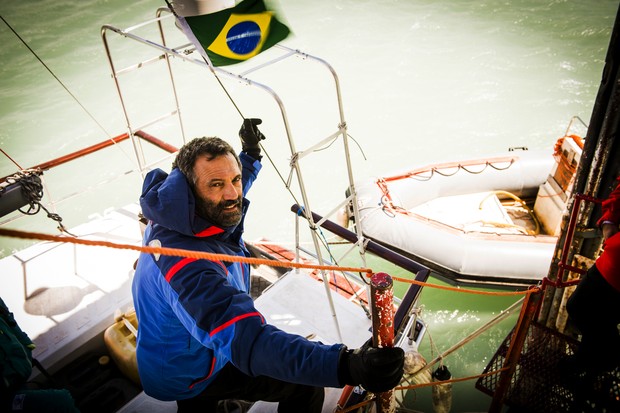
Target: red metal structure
[382,305]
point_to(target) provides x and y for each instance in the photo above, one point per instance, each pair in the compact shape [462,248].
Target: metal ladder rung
[139,65]
[157,120]
[319,144]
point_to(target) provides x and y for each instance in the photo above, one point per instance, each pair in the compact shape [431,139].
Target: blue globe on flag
[244,37]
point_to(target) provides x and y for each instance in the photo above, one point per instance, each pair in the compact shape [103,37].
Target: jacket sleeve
[224,319]
[611,207]
[285,356]
[249,171]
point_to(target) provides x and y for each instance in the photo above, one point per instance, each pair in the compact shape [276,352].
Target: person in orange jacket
[594,307]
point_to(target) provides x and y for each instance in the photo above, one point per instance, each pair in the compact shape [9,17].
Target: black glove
[250,137]
[376,369]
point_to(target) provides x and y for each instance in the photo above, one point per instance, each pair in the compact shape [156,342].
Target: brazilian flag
[236,34]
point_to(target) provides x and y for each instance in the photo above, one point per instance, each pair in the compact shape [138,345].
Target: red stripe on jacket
[234,320]
[177,267]
[185,261]
[206,377]
[212,230]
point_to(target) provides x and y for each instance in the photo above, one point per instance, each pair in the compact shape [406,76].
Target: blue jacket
[197,315]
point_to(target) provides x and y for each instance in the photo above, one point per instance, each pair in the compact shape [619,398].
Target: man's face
[218,190]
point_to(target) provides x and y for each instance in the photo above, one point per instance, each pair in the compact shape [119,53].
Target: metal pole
[528,312]
[382,308]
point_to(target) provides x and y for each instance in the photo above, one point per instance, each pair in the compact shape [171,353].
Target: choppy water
[422,80]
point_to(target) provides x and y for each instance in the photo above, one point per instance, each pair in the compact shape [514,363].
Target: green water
[421,81]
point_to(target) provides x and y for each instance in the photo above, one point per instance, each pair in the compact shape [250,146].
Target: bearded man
[200,338]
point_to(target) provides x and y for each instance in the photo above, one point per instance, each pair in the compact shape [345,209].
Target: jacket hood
[168,200]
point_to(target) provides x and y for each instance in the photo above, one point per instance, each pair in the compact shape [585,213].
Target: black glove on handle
[376,369]
[250,137]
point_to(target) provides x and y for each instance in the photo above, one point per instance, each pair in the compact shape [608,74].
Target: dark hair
[211,147]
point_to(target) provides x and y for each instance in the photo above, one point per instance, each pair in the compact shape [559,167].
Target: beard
[219,213]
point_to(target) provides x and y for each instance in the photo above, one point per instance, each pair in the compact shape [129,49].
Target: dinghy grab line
[416,174]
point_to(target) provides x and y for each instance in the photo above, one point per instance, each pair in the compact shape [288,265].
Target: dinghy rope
[417,173]
[525,206]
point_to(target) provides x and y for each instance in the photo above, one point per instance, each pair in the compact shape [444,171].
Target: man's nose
[230,192]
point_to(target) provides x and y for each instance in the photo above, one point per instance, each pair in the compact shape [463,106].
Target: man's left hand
[250,137]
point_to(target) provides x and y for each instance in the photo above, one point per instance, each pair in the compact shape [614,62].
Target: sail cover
[234,34]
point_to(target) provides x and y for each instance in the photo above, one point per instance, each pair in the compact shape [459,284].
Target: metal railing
[187,52]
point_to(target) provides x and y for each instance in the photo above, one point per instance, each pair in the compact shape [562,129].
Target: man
[594,305]
[200,338]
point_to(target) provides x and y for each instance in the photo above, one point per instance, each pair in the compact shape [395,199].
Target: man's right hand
[376,369]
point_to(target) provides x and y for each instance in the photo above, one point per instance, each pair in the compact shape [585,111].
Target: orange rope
[530,290]
[233,258]
[433,383]
[355,406]
[417,386]
[176,252]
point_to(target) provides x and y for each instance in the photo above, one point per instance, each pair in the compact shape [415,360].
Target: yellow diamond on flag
[243,35]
